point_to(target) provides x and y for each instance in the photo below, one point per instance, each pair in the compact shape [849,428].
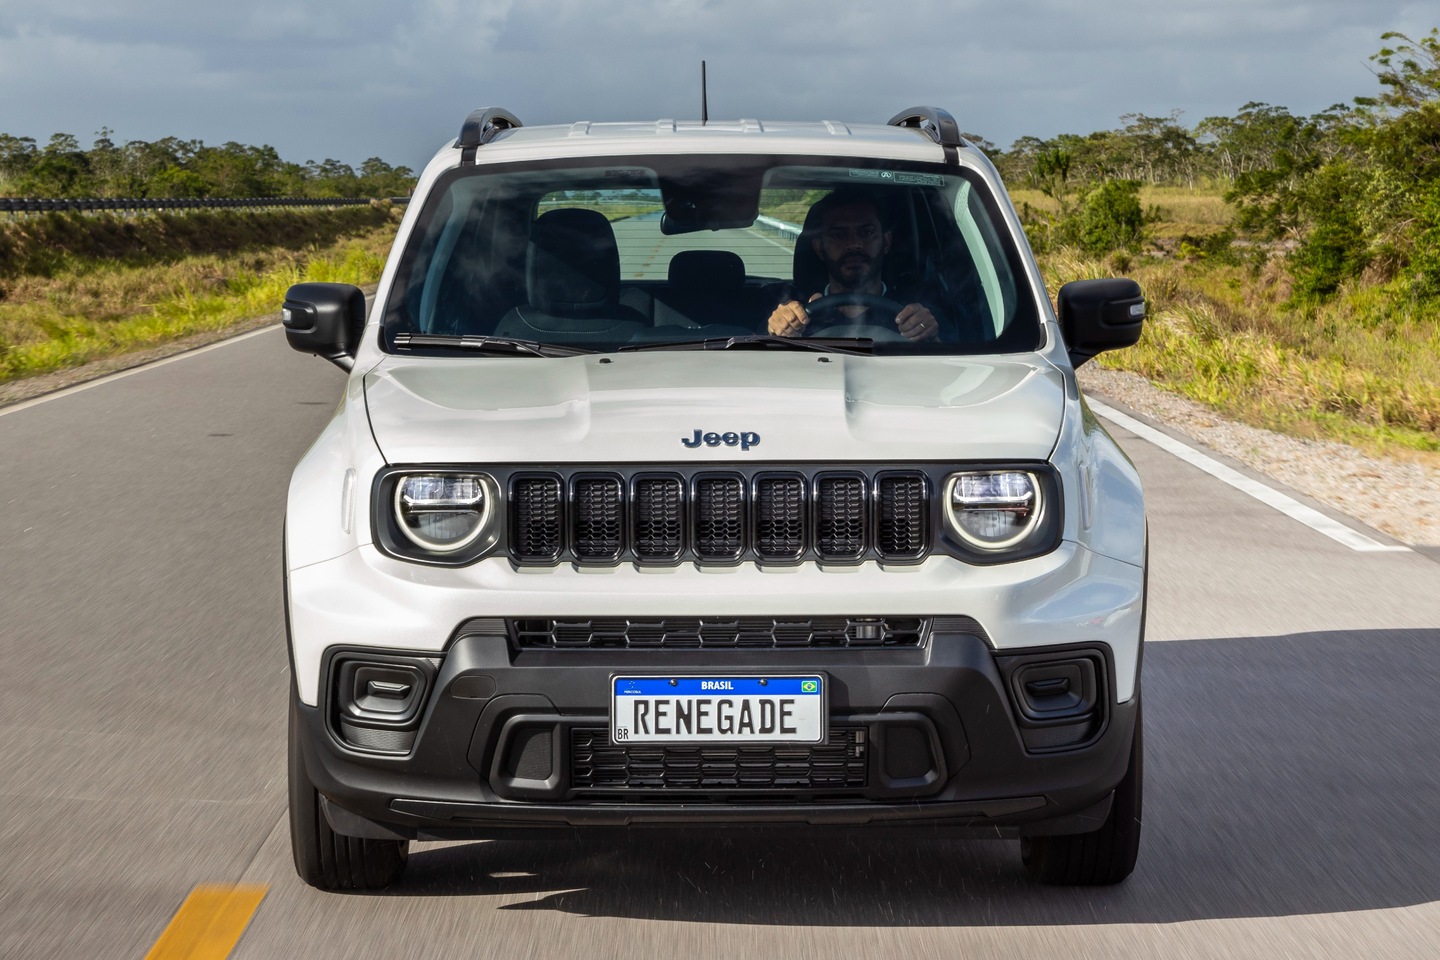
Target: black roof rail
[938,124]
[481,127]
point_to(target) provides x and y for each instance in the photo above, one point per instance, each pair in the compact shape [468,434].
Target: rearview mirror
[326,319]
[1099,315]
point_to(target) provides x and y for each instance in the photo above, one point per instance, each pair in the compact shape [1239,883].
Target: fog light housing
[1060,699]
[377,704]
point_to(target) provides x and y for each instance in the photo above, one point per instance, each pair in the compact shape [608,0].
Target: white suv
[698,475]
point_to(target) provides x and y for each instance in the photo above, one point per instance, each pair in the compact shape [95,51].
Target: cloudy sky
[361,78]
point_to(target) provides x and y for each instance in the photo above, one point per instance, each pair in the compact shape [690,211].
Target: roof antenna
[704,98]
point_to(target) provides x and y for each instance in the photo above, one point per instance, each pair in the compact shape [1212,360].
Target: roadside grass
[1362,368]
[85,308]
[1171,212]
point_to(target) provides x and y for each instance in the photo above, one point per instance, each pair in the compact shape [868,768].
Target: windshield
[681,252]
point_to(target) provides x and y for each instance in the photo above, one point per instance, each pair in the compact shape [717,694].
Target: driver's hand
[917,323]
[790,319]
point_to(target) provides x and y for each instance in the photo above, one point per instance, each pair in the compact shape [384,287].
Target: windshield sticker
[895,176]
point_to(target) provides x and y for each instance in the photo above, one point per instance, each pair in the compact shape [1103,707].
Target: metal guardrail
[45,204]
[778,227]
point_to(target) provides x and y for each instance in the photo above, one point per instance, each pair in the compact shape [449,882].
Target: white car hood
[638,408]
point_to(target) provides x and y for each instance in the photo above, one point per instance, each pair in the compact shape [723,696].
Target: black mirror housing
[1099,315]
[326,319]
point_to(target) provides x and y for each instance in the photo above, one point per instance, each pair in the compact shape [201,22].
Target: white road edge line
[1269,496]
[122,374]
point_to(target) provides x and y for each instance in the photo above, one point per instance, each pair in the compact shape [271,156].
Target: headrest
[707,271]
[807,270]
[573,267]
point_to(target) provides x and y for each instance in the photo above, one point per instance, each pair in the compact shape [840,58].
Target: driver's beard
[851,277]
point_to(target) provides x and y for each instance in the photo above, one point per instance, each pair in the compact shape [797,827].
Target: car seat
[572,277]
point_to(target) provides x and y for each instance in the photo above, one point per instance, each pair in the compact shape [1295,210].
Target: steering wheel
[844,326]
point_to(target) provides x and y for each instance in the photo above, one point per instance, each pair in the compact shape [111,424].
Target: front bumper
[941,743]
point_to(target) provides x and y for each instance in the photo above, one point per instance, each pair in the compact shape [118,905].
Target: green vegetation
[175,168]
[75,288]
[1292,263]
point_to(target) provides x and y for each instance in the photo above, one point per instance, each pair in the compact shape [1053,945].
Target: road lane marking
[1269,496]
[208,924]
[122,374]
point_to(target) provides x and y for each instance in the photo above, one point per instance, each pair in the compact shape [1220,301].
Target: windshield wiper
[501,346]
[859,346]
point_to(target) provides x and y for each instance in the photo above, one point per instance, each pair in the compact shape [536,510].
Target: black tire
[1105,856]
[324,858]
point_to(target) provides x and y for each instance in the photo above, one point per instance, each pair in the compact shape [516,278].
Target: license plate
[788,709]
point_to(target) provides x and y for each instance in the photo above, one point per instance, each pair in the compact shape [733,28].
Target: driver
[851,240]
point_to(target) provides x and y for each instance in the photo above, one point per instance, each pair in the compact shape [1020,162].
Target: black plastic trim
[938,537]
[442,787]
[934,122]
[482,126]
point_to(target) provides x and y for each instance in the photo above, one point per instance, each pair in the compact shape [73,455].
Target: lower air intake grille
[717,632]
[598,766]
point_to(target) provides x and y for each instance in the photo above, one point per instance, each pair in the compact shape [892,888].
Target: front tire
[1105,856]
[323,858]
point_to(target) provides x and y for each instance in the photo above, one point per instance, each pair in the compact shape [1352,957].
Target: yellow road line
[208,924]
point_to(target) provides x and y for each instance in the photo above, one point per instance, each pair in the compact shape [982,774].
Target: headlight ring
[994,510]
[443,513]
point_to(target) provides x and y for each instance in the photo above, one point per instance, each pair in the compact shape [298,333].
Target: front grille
[679,633]
[658,518]
[712,517]
[598,519]
[780,518]
[719,518]
[599,766]
[840,526]
[536,517]
[904,516]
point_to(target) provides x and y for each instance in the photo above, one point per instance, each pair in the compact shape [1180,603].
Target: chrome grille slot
[597,518]
[719,518]
[535,519]
[658,518]
[840,520]
[780,517]
[904,521]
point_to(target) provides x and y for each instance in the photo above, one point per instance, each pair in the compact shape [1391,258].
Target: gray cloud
[320,79]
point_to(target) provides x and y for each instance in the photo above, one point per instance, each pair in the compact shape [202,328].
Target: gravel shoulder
[1398,497]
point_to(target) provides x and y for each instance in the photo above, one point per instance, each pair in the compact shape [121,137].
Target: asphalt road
[1293,788]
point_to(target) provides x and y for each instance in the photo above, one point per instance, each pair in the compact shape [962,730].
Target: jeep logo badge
[742,440]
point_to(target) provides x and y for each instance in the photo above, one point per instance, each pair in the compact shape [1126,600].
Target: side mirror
[1099,315]
[325,319]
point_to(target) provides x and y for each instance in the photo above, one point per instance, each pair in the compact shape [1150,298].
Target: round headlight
[993,510]
[441,513]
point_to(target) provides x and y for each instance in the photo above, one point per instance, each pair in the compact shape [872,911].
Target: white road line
[46,398]
[1269,496]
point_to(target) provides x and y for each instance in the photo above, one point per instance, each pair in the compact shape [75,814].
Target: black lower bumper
[935,737]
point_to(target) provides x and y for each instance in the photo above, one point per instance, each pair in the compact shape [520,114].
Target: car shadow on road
[1284,776]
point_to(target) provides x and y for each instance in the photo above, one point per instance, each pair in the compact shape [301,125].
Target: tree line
[1353,189]
[172,168]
